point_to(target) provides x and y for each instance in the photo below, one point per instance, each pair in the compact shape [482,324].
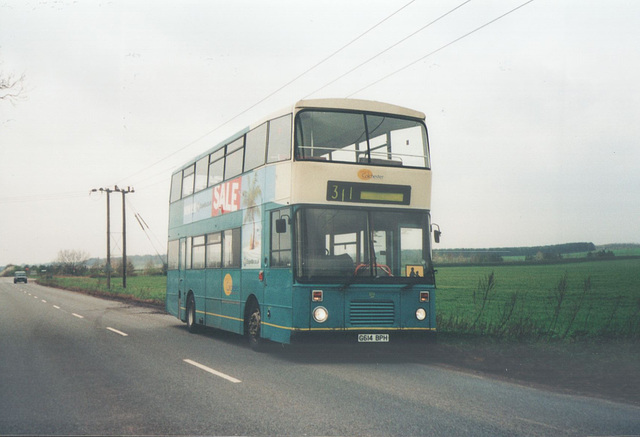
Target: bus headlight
[421,314]
[320,314]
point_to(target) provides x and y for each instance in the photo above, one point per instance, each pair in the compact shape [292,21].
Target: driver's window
[411,251]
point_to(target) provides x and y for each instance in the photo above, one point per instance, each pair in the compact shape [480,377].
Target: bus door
[182,271]
[231,286]
[277,281]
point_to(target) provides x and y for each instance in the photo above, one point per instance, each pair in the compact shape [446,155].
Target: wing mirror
[436,232]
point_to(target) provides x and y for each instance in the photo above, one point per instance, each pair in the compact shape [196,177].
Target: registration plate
[373,338]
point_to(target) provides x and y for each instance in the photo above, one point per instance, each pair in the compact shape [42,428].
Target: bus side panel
[301,307]
[213,301]
[171,303]
[277,308]
[231,304]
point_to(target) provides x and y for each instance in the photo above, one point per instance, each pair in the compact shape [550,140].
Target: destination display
[368,193]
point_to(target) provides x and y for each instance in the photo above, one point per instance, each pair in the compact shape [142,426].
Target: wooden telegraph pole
[124,233]
[108,266]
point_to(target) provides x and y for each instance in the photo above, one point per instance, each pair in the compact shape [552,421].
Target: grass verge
[145,289]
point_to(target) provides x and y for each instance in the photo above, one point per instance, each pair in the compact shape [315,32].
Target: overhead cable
[387,49]
[441,48]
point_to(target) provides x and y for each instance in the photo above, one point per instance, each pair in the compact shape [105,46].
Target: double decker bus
[312,222]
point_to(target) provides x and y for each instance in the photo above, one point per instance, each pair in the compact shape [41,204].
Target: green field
[150,289]
[561,301]
[598,299]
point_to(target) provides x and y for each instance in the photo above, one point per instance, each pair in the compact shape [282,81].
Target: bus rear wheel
[191,314]
[254,322]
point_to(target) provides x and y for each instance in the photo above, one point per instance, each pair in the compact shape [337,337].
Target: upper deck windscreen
[361,138]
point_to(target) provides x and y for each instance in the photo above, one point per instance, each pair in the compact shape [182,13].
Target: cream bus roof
[359,105]
[346,104]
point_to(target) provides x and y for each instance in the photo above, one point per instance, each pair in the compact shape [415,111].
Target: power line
[147,230]
[270,94]
[441,48]
[144,227]
[387,49]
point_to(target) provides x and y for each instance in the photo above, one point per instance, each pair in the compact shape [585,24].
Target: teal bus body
[296,228]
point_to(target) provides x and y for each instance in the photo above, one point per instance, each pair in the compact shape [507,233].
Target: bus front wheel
[253,328]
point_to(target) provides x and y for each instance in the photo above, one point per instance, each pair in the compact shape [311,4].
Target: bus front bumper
[365,337]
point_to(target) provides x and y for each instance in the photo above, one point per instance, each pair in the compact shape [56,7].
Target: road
[75,364]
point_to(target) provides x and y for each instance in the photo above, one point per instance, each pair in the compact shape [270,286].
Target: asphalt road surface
[75,364]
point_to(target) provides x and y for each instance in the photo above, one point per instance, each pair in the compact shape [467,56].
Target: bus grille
[367,313]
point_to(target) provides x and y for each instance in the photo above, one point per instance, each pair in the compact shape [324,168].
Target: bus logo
[365,174]
[227,284]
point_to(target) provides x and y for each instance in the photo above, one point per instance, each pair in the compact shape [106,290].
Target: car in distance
[20,277]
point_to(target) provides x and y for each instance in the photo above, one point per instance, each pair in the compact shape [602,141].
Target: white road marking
[213,372]
[77,315]
[44,301]
[56,307]
[124,334]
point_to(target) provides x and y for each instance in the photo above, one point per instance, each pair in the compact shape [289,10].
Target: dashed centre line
[212,371]
[124,334]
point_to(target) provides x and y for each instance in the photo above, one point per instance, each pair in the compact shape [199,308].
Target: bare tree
[72,262]
[12,87]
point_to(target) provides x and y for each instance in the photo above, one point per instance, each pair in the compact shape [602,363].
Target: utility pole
[108,266]
[124,233]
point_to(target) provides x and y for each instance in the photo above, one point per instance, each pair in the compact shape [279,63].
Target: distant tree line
[548,253]
[78,263]
[601,254]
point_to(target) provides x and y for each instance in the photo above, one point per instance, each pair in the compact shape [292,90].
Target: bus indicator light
[424,296]
[316,296]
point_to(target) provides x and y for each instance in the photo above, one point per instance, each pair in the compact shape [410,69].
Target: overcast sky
[534,119]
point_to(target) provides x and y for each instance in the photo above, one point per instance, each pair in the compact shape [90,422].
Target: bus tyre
[191,314]
[253,329]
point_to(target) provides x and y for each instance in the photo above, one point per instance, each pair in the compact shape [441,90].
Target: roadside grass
[149,289]
[599,299]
